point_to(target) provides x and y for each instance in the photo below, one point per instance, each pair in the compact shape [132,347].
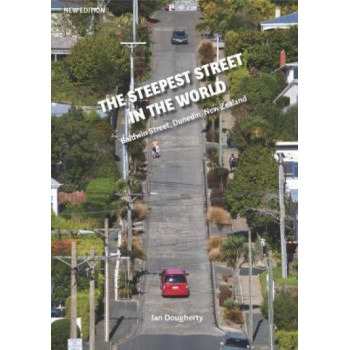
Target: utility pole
[220,126]
[270,301]
[106,282]
[282,217]
[91,275]
[250,287]
[73,315]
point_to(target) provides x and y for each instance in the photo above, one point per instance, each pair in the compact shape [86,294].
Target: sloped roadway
[177,231]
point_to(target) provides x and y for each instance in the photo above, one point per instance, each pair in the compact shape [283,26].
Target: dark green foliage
[60,333]
[286,311]
[83,143]
[262,49]
[100,63]
[255,178]
[263,122]
[146,7]
[262,88]
[60,278]
[221,173]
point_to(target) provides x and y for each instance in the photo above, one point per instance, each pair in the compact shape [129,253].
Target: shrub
[219,217]
[212,181]
[224,287]
[83,310]
[225,277]
[206,52]
[235,315]
[287,340]
[286,311]
[216,198]
[229,304]
[221,173]
[214,254]
[141,210]
[60,333]
[224,295]
[214,241]
[125,293]
[136,251]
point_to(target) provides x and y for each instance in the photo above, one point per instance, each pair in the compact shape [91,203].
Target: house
[280,22]
[61,46]
[289,151]
[54,197]
[290,71]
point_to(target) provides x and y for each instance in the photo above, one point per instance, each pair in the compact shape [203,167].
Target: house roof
[293,82]
[286,66]
[63,43]
[291,18]
[54,183]
[62,4]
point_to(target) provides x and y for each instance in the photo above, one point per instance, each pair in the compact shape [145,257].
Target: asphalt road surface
[177,230]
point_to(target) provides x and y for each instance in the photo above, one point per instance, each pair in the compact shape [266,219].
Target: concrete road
[177,230]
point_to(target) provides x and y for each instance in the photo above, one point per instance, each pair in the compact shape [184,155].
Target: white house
[290,71]
[54,198]
[289,151]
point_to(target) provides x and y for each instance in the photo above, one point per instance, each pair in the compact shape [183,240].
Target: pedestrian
[232,162]
[157,150]
[154,147]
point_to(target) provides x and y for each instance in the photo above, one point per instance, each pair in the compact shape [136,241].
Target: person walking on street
[232,162]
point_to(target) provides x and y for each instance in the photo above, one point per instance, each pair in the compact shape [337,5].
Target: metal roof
[54,183]
[287,19]
[65,43]
[63,4]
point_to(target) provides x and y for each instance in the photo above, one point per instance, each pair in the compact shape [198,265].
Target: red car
[173,282]
[166,7]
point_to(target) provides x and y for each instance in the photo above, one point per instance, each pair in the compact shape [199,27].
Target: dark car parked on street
[179,37]
[233,340]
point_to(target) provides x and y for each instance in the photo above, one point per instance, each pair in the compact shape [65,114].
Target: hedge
[60,333]
[287,340]
[83,310]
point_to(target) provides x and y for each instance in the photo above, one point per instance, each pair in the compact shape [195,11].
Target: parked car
[235,340]
[173,282]
[166,7]
[179,37]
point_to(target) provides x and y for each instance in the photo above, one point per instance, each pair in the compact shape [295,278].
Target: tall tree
[234,250]
[80,144]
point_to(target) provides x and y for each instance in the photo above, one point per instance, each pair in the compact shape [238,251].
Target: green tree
[286,311]
[234,250]
[60,333]
[146,7]
[262,49]
[80,146]
[100,63]
[252,193]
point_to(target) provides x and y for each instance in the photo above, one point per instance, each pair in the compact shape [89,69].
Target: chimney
[282,58]
[277,12]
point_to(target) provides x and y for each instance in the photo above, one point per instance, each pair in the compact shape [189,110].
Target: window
[295,71]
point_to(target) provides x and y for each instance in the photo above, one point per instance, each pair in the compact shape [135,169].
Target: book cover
[174,162]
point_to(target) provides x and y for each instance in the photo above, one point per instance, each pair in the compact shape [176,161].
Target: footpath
[260,324]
